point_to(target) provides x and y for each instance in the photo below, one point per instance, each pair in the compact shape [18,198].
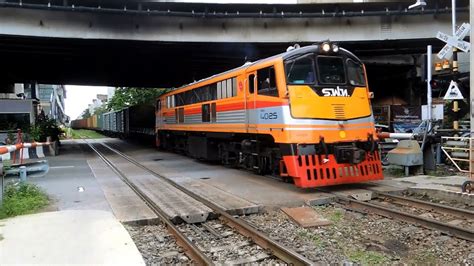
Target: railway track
[195,238]
[426,214]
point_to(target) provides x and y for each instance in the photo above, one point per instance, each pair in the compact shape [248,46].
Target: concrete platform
[67,237]
[444,183]
[220,181]
[70,181]
[175,204]
[227,201]
[125,203]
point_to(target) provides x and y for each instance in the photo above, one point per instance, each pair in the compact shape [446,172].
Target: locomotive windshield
[326,70]
[355,73]
[331,70]
[301,70]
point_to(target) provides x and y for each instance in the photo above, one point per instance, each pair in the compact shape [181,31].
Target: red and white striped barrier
[34,149]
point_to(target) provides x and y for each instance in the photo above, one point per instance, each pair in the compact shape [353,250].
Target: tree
[86,114]
[101,109]
[129,96]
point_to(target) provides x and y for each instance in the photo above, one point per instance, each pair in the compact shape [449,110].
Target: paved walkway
[67,237]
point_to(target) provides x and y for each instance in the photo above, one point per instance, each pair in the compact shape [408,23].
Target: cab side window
[158,105]
[251,83]
[266,82]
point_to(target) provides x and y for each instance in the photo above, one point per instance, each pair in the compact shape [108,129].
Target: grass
[22,198]
[395,172]
[333,215]
[427,258]
[367,257]
[85,133]
[336,216]
[7,164]
[317,241]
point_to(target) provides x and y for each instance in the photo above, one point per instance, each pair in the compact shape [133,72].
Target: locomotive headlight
[326,47]
[335,48]
[342,134]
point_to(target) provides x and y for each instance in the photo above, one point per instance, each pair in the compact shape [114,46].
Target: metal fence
[459,151]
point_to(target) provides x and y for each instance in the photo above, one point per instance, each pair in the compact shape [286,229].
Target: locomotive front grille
[339,112]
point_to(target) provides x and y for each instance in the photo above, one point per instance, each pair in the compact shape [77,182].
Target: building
[101,100]
[16,112]
[51,99]
[20,104]
[98,102]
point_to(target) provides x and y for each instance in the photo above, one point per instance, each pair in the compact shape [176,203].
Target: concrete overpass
[155,43]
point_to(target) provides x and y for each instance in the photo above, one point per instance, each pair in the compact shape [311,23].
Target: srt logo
[338,92]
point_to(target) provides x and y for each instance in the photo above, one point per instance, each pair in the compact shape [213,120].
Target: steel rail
[190,249]
[408,217]
[286,254]
[430,206]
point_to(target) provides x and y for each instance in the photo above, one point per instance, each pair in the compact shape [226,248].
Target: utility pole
[471,71]
[455,66]
[429,99]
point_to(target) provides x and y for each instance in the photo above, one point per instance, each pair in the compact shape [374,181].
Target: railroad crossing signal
[454,41]
[453,92]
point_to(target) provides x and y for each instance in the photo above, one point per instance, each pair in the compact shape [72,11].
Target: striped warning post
[30,151]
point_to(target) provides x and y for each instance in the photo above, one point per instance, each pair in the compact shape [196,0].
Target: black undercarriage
[258,153]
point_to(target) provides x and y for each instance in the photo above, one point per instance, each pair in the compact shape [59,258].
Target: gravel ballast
[365,239]
[156,245]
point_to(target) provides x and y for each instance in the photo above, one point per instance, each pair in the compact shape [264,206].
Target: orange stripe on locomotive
[333,117]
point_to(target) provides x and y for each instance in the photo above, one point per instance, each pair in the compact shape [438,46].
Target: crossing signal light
[438,84]
[446,64]
[434,84]
[438,66]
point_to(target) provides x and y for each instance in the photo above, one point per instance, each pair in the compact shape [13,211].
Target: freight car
[134,121]
[304,115]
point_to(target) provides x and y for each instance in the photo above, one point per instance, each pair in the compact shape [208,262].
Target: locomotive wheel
[262,165]
[467,187]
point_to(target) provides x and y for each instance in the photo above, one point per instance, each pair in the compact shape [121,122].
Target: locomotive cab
[335,81]
[327,91]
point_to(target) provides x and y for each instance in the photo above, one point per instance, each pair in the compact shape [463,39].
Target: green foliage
[35,132]
[43,128]
[311,236]
[86,113]
[130,96]
[22,198]
[336,216]
[11,137]
[367,257]
[100,110]
[395,171]
[7,164]
[84,133]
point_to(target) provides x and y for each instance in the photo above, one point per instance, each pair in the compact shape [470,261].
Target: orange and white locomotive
[304,115]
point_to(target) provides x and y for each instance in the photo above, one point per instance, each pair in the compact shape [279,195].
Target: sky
[78,98]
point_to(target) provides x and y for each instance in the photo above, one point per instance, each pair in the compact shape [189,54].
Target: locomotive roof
[285,55]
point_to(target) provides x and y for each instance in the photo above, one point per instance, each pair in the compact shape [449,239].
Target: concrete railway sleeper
[190,248]
[264,241]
